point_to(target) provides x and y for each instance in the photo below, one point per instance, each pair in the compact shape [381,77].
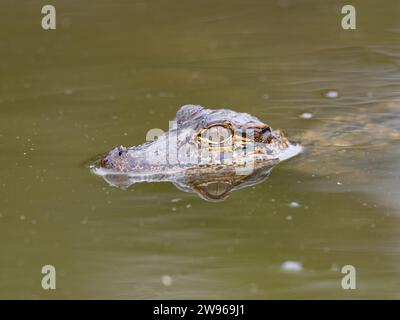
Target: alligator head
[202,146]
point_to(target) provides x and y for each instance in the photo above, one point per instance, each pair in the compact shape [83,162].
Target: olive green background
[113,70]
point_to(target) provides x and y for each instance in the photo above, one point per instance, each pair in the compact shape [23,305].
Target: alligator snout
[114,157]
[104,163]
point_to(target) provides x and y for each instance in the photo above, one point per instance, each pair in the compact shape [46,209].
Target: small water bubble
[294,266]
[289,218]
[334,268]
[331,94]
[22,218]
[166,280]
[68,92]
[188,206]
[294,204]
[173,209]
[164,94]
[253,288]
[306,115]
[265,96]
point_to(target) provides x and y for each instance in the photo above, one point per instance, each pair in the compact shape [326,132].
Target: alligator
[211,152]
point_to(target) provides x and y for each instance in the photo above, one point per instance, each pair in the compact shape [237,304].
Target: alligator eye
[215,135]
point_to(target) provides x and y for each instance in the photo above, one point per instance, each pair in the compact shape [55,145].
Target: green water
[113,70]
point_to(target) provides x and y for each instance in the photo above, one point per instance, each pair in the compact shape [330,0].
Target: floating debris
[164,94]
[253,288]
[334,268]
[331,94]
[292,266]
[294,204]
[166,280]
[176,200]
[306,115]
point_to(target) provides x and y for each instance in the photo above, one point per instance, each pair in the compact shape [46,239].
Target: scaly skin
[202,140]
[209,152]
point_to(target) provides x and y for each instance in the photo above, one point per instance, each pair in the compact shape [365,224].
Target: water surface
[113,70]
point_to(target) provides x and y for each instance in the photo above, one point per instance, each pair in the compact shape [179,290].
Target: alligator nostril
[121,150]
[104,163]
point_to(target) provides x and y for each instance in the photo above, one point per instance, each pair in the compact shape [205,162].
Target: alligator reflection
[210,186]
